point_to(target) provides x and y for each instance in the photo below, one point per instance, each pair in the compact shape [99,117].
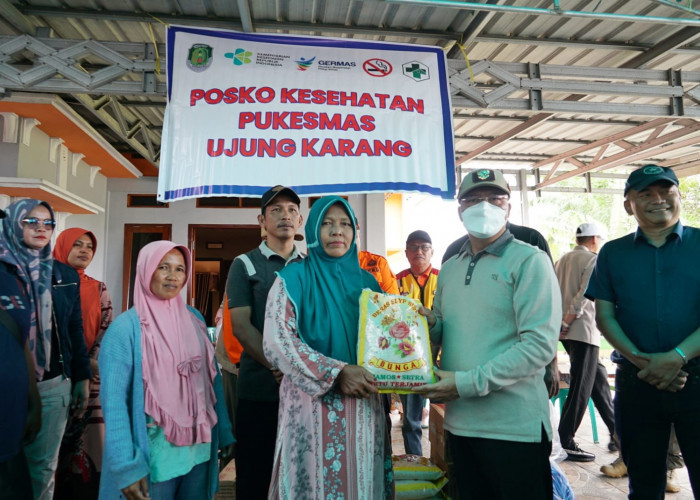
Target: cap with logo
[420,236]
[272,193]
[589,229]
[483,177]
[647,175]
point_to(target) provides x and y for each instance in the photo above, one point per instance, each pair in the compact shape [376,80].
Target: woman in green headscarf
[332,441]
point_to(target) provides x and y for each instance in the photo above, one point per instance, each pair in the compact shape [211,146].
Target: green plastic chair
[561,396]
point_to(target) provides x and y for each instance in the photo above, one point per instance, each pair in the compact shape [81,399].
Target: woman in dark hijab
[332,440]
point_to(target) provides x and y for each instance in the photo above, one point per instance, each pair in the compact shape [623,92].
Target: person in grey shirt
[581,339]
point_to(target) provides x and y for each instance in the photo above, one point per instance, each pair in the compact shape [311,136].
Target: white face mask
[484,220]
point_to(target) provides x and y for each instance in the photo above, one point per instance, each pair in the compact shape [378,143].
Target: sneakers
[672,485]
[576,454]
[615,469]
[612,445]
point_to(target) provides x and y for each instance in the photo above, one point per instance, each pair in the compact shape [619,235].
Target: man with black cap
[418,282]
[249,280]
[534,238]
[646,287]
[496,314]
[581,339]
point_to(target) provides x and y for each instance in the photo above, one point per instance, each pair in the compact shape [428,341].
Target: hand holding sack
[394,343]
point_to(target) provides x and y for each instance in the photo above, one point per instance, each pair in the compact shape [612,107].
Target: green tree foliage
[557,215]
[690,191]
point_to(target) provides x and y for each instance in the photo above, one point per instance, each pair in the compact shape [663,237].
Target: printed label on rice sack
[393,343]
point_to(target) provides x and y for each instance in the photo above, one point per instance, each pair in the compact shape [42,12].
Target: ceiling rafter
[531,122]
[580,44]
[120,121]
[234,23]
[56,67]
[606,141]
[523,86]
[477,21]
[520,139]
[639,152]
[678,39]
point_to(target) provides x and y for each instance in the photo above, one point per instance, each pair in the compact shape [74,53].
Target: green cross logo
[417,71]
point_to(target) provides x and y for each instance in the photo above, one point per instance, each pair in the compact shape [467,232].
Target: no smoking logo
[377,67]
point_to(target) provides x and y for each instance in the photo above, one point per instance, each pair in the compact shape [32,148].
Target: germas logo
[304,64]
[337,64]
[239,56]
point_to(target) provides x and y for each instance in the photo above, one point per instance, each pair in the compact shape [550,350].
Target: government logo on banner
[321,115]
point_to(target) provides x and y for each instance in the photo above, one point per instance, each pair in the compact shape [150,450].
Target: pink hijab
[177,357]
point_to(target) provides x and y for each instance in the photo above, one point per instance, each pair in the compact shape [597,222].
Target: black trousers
[501,470]
[589,379]
[644,416]
[256,431]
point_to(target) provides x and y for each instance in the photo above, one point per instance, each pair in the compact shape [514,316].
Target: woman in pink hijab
[161,392]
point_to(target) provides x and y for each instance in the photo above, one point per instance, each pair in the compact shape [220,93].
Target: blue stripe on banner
[321,189]
[169,55]
[447,129]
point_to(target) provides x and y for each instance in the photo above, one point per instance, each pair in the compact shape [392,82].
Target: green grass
[604,345]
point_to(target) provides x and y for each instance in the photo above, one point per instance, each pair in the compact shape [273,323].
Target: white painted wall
[35,162]
[8,159]
[183,213]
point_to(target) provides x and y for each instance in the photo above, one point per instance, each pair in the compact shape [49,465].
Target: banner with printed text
[324,116]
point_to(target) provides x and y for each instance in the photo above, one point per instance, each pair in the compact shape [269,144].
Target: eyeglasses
[34,223]
[415,248]
[470,201]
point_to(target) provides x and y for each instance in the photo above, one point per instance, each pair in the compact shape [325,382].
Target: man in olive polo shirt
[496,315]
[249,280]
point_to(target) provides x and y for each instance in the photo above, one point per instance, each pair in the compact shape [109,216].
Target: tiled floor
[586,479]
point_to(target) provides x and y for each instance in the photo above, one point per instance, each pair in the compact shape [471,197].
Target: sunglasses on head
[35,223]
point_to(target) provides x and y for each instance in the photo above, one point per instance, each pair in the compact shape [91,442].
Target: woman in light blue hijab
[332,441]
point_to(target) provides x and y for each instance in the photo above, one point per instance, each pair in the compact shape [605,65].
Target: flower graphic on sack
[383,342]
[406,348]
[400,330]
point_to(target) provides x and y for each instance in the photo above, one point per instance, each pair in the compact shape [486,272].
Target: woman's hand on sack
[442,391]
[137,491]
[429,316]
[356,382]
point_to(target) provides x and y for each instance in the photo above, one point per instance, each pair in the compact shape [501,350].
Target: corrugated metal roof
[506,37]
